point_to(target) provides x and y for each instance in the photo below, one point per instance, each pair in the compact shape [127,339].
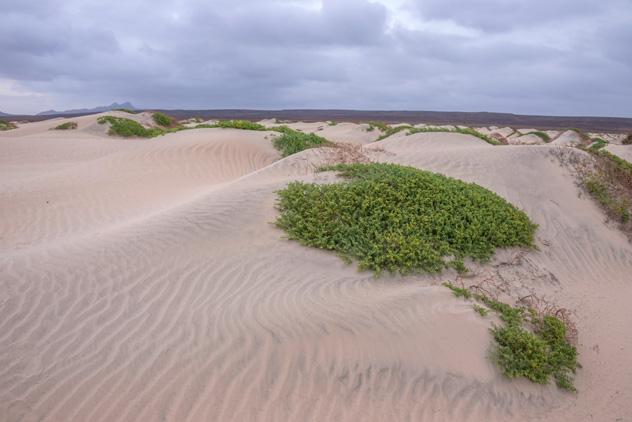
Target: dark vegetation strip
[528,343]
[66,126]
[400,219]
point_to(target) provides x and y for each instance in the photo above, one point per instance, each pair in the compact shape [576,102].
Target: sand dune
[142,280]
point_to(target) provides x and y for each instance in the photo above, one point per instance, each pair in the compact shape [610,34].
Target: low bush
[126,110]
[461,130]
[542,135]
[66,126]
[401,219]
[291,141]
[162,119]
[4,125]
[616,206]
[236,124]
[528,344]
[381,126]
[598,143]
[627,140]
[128,128]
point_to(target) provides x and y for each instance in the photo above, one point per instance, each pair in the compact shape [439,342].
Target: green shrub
[393,130]
[4,125]
[381,126]
[126,110]
[128,128]
[291,141]
[238,124]
[616,206]
[401,219]
[66,126]
[542,135]
[598,143]
[464,131]
[162,119]
[627,140]
[538,354]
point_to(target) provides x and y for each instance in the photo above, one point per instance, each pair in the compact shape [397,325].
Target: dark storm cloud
[553,57]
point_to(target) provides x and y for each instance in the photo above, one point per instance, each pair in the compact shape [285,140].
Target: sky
[550,57]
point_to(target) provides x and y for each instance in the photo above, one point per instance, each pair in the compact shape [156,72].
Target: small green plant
[617,207]
[4,125]
[390,130]
[597,144]
[528,344]
[482,311]
[66,126]
[162,119]
[463,131]
[291,141]
[401,219]
[126,110]
[128,128]
[542,135]
[381,126]
[234,124]
[332,123]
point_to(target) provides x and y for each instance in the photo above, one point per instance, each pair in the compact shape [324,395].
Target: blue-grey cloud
[565,57]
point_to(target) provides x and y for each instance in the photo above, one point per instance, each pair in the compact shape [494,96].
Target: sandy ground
[141,280]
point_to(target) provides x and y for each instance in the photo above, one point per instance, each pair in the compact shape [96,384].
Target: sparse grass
[4,125]
[461,130]
[393,130]
[235,124]
[381,126]
[400,219]
[126,110]
[598,143]
[542,135]
[162,119]
[616,206]
[291,141]
[482,311]
[128,128]
[66,126]
[332,123]
[528,344]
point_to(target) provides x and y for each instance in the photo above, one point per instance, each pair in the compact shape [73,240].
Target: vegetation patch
[461,130]
[597,144]
[291,141]
[627,140]
[128,128]
[401,219]
[374,124]
[162,119]
[528,343]
[542,135]
[616,206]
[4,125]
[126,110]
[66,126]
[234,124]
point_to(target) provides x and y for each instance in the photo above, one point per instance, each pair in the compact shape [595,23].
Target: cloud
[538,57]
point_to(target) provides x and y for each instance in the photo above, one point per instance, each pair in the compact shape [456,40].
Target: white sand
[142,281]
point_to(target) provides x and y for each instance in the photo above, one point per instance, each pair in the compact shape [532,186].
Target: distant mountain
[100,109]
[4,114]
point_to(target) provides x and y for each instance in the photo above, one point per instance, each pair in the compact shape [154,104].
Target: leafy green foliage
[538,354]
[162,119]
[616,206]
[381,126]
[482,311]
[390,130]
[291,141]
[461,130]
[128,128]
[597,144]
[542,135]
[234,124]
[4,125]
[66,126]
[401,219]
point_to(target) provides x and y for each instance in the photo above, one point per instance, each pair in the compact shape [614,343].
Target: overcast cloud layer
[559,57]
